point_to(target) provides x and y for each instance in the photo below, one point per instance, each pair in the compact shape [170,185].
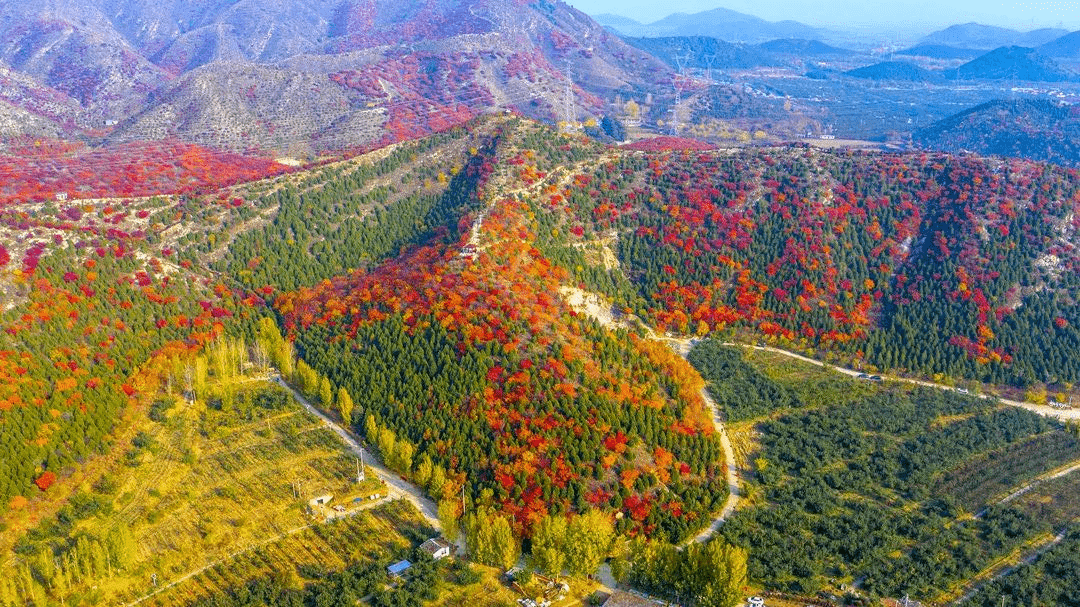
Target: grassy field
[1056,501]
[374,536]
[198,486]
[493,591]
[816,386]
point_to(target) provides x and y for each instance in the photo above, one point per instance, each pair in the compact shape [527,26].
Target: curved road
[732,474]
[397,486]
[591,305]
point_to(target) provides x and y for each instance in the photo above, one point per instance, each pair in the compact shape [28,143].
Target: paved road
[397,486]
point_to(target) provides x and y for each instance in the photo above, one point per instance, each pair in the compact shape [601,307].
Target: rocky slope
[313,73]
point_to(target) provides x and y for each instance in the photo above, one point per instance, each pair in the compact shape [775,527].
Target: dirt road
[1044,410]
[732,474]
[397,486]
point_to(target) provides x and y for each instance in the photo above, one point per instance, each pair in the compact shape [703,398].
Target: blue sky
[874,14]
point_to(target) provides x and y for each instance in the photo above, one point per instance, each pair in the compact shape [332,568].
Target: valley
[442,316]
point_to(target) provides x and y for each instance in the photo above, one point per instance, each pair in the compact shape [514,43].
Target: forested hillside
[1034,129]
[426,289]
[442,304]
[96,315]
[916,262]
[466,353]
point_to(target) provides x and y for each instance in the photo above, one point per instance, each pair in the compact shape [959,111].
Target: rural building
[437,547]
[322,500]
[398,568]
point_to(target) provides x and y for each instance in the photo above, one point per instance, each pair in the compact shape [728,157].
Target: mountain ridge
[1013,63]
[722,23]
[988,37]
[1034,129]
[215,74]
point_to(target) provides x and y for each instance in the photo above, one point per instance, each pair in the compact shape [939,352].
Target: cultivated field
[202,486]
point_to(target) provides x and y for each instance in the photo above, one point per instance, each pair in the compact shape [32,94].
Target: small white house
[322,500]
[437,547]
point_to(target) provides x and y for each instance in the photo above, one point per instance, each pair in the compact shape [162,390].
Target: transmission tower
[569,124]
[709,59]
[678,82]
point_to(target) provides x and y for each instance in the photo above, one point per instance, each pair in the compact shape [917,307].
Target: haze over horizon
[877,16]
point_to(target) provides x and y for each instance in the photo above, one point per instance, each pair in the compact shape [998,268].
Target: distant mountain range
[704,52]
[1065,47]
[940,51]
[1013,63]
[894,70]
[721,23]
[987,37]
[281,75]
[796,46]
[1033,129]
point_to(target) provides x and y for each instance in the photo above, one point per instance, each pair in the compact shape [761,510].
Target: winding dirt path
[732,473]
[592,305]
[1049,476]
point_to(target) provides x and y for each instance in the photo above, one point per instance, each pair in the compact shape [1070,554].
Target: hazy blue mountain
[802,47]
[622,25]
[1012,63]
[894,70]
[704,52]
[987,37]
[727,25]
[1065,47]
[940,51]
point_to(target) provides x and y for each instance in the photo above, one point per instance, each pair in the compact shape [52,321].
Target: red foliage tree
[45,481]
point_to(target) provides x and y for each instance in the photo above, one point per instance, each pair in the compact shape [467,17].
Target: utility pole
[360,472]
